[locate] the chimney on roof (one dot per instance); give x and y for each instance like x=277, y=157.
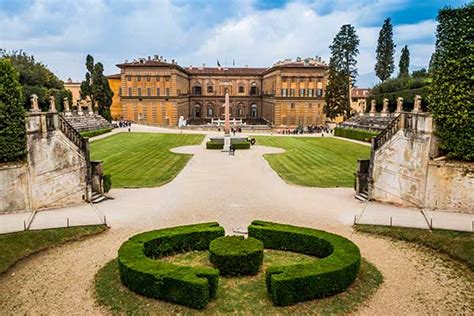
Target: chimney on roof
x=149, y=57
x=190, y=66
x=69, y=80
x=155, y=57
x=203, y=65
x=126, y=61
x=172, y=61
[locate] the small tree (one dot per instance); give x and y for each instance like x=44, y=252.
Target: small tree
x=404, y=63
x=12, y=115
x=451, y=94
x=97, y=88
x=385, y=51
x=342, y=72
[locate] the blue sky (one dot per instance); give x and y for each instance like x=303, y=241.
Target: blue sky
x=60, y=33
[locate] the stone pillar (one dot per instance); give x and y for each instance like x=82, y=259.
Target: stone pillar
x=399, y=105
x=79, y=107
x=417, y=104
x=52, y=104
x=385, y=111
x=227, y=114
x=34, y=103
x=372, y=108
x=66, y=109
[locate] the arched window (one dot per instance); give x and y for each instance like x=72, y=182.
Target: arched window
x=196, y=90
x=253, y=112
x=210, y=88
x=253, y=89
x=210, y=111
x=197, y=110
x=241, y=89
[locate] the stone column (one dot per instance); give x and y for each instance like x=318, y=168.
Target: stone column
x=399, y=105
x=385, y=108
x=52, y=104
x=79, y=108
x=66, y=109
x=372, y=108
x=34, y=103
x=417, y=104
x=227, y=114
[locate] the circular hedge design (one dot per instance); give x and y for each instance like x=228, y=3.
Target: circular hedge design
x=235, y=255
x=141, y=270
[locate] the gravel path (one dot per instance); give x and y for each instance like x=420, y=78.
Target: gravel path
x=233, y=191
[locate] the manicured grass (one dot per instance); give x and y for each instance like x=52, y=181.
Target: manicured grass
x=142, y=159
x=98, y=132
x=15, y=246
x=458, y=245
x=315, y=162
x=242, y=295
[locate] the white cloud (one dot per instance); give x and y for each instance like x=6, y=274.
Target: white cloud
x=61, y=33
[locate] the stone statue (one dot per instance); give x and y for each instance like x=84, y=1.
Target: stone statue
x=52, y=104
x=34, y=103
x=373, y=103
x=79, y=107
x=384, y=108
x=399, y=105
x=362, y=107
x=66, y=106
x=417, y=104
x=89, y=107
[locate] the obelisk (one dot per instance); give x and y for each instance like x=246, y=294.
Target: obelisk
x=226, y=122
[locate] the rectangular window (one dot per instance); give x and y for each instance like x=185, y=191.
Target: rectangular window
x=167, y=78
x=310, y=93
x=129, y=92
x=167, y=92
x=157, y=78
x=292, y=92
x=139, y=91
x=283, y=92
x=301, y=92
x=129, y=78
x=319, y=92
x=283, y=79
x=157, y=91
x=139, y=78
x=148, y=91
x=148, y=78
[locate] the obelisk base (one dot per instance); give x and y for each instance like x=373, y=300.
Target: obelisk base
x=226, y=142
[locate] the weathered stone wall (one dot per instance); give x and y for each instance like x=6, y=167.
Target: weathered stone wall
x=14, y=187
x=450, y=186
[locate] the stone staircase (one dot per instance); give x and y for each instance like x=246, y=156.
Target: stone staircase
x=97, y=197
x=375, y=123
x=87, y=122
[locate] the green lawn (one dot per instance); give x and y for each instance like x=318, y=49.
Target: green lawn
x=458, y=245
x=315, y=162
x=15, y=246
x=245, y=295
x=142, y=159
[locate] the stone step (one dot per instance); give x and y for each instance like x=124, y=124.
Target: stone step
x=98, y=199
x=362, y=196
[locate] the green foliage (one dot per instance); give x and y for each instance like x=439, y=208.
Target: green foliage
x=143, y=272
x=241, y=145
x=290, y=284
x=35, y=78
x=218, y=144
x=457, y=245
x=16, y=246
x=451, y=93
x=342, y=70
x=404, y=63
x=354, y=133
x=107, y=182
x=384, y=66
x=214, y=145
x=97, y=132
x=234, y=255
x=12, y=115
x=96, y=87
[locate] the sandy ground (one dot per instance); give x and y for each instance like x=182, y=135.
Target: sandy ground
x=233, y=190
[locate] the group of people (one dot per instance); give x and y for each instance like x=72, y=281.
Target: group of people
x=309, y=129
x=124, y=123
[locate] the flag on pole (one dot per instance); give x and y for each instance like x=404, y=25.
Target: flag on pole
x=233, y=62
x=218, y=63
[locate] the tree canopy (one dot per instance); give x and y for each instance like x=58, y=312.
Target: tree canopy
x=12, y=115
x=342, y=72
x=36, y=78
x=451, y=94
x=404, y=63
x=96, y=87
x=384, y=66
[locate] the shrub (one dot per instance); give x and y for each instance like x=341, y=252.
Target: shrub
x=354, y=133
x=451, y=92
x=234, y=255
x=107, y=181
x=12, y=115
x=142, y=271
x=300, y=282
x=214, y=145
x=245, y=145
x=98, y=132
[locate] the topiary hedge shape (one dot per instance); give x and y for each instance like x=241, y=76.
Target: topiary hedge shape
x=235, y=255
x=290, y=284
x=142, y=271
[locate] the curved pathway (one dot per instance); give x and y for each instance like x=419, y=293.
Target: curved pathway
x=232, y=190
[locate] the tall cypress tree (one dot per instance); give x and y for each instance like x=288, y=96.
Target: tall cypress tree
x=404, y=63
x=97, y=88
x=384, y=66
x=342, y=72
x=12, y=115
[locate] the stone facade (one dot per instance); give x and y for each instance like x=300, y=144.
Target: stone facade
x=156, y=92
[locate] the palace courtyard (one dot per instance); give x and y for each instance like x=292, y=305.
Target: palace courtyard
x=233, y=190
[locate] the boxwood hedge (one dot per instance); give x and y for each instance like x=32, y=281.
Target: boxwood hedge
x=290, y=284
x=234, y=255
x=142, y=271
x=355, y=133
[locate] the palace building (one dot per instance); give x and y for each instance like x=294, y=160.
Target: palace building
x=154, y=91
